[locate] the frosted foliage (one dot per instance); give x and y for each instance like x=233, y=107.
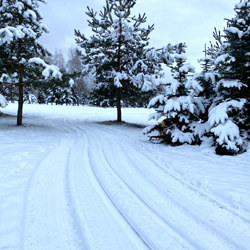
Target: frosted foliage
x=243, y=4
x=180, y=103
x=30, y=22
x=154, y=116
x=174, y=86
x=179, y=136
x=140, y=63
x=235, y=31
x=210, y=76
x=49, y=71
x=71, y=83
x=228, y=135
x=30, y=13
x=8, y=33
x=221, y=59
x=37, y=60
x=180, y=57
x=3, y=102
x=149, y=83
x=155, y=100
x=52, y=70
x=230, y=84
x=219, y=114
x=118, y=76
x=200, y=128
x=193, y=84
x=187, y=68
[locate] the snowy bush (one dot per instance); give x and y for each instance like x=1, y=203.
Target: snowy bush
x=178, y=107
x=227, y=135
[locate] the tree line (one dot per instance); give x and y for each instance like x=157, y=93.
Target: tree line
x=189, y=107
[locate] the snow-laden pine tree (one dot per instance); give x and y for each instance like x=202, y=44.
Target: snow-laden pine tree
x=207, y=79
x=21, y=60
x=117, y=51
x=178, y=107
x=229, y=115
x=83, y=84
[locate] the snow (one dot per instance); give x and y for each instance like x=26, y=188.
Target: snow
x=187, y=67
x=235, y=30
x=228, y=133
x=9, y=33
x=179, y=103
x=50, y=70
x=30, y=13
x=219, y=113
x=221, y=59
x=230, y=84
x=118, y=76
x=3, y=102
x=70, y=179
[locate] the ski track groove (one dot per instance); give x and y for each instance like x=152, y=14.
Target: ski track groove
x=188, y=212
x=206, y=195
x=72, y=206
x=68, y=131
x=144, y=206
x=101, y=193
x=167, y=222
x=114, y=204
x=27, y=191
x=208, y=227
x=84, y=141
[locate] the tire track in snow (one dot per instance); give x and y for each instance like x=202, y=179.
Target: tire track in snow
x=234, y=240
x=49, y=226
x=152, y=229
x=217, y=236
x=82, y=181
x=219, y=203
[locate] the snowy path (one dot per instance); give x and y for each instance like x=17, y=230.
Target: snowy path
x=96, y=188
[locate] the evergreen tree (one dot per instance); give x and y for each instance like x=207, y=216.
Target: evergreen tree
x=177, y=108
x=116, y=51
x=207, y=79
x=82, y=86
x=21, y=61
x=229, y=115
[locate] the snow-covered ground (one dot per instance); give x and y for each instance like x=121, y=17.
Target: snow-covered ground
x=70, y=180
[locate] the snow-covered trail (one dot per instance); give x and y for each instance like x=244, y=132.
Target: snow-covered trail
x=96, y=190
x=66, y=208
x=98, y=187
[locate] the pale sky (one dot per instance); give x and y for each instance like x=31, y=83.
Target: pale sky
x=189, y=21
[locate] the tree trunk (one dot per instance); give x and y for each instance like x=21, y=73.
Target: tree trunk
x=118, y=91
x=119, y=110
x=20, y=88
x=20, y=103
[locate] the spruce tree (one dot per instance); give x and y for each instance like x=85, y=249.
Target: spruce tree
x=75, y=67
x=229, y=116
x=117, y=51
x=177, y=108
x=207, y=79
x=21, y=60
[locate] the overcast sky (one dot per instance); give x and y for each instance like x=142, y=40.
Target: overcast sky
x=190, y=21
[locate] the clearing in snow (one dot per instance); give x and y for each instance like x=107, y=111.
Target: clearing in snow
x=71, y=181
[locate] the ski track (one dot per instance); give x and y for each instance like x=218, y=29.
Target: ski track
x=212, y=235
x=96, y=195
x=168, y=171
